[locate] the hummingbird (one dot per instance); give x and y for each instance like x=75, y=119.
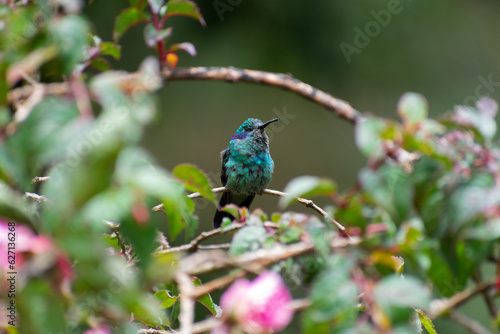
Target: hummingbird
x=247, y=166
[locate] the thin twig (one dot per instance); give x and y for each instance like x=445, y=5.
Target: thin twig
x=487, y=299
x=440, y=306
x=36, y=197
x=116, y=230
x=218, y=283
x=37, y=179
x=300, y=304
x=186, y=316
x=195, y=243
x=308, y=203
x=82, y=97
x=470, y=324
x=217, y=246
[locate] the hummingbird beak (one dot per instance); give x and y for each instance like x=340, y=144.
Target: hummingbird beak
x=267, y=123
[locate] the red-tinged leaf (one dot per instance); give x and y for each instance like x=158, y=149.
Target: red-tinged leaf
x=206, y=300
x=426, y=322
x=126, y=19
x=165, y=299
x=186, y=46
x=186, y=8
x=234, y=210
x=140, y=4
x=194, y=180
x=110, y=49
x=101, y=64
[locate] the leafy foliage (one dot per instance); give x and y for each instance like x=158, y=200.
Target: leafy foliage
x=422, y=217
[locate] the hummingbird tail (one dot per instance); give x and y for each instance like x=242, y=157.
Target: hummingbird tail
x=228, y=198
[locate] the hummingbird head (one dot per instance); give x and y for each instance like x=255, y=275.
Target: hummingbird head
x=253, y=129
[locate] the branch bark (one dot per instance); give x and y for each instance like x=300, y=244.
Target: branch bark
x=339, y=107
x=441, y=306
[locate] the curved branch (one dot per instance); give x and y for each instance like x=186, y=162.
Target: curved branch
x=285, y=81
x=339, y=107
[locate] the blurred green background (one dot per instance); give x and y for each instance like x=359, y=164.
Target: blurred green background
x=446, y=50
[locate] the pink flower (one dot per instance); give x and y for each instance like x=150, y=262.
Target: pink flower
x=260, y=306
x=102, y=329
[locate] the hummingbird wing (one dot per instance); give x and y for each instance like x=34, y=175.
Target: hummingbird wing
x=229, y=197
x=219, y=215
x=224, y=157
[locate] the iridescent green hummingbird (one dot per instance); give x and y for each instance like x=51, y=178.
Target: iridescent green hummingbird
x=247, y=166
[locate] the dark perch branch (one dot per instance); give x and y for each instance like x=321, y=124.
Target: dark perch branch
x=441, y=306
x=229, y=74
x=285, y=81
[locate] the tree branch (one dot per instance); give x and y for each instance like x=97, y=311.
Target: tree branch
x=487, y=299
x=471, y=325
x=201, y=263
x=308, y=203
x=339, y=107
x=195, y=243
x=186, y=316
x=441, y=306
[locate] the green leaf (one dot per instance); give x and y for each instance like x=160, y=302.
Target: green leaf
x=110, y=49
x=412, y=108
x=389, y=187
x=165, y=299
x=334, y=295
x=398, y=296
x=471, y=200
x=305, y=187
x=247, y=239
x=206, y=300
x=194, y=180
x=177, y=207
x=13, y=206
x=42, y=139
x=101, y=64
x=368, y=136
x=70, y=36
x=140, y=4
x=142, y=238
x=186, y=8
x=234, y=210
x=125, y=20
x=44, y=308
x=426, y=322
x=156, y=5
x=153, y=36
